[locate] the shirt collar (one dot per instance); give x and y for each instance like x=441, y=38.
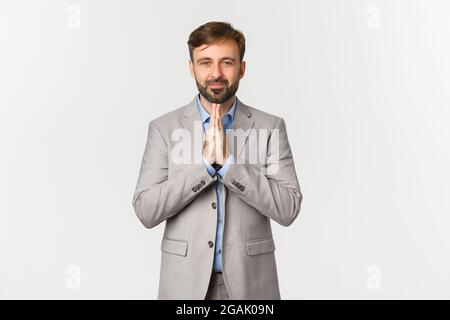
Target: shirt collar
x=204, y=115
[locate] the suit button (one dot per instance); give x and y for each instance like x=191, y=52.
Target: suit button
x=242, y=188
x=199, y=186
x=210, y=244
x=213, y=205
x=202, y=182
x=194, y=189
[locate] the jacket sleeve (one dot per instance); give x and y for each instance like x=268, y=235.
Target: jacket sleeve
x=272, y=189
x=158, y=197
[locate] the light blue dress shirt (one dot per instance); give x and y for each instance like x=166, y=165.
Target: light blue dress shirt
x=227, y=120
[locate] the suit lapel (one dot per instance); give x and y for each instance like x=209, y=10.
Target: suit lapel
x=190, y=115
x=242, y=121
x=192, y=122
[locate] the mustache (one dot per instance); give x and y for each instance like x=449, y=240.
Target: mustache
x=217, y=81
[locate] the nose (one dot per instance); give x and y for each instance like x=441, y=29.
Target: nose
x=216, y=71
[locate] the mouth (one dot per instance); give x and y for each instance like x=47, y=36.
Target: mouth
x=217, y=86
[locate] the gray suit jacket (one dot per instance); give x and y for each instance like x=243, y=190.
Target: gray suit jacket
x=182, y=192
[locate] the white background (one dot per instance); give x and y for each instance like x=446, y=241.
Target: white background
x=363, y=87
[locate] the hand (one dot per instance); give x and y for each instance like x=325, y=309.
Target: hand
x=215, y=147
x=221, y=141
x=209, y=149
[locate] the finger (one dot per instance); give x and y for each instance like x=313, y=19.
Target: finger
x=217, y=119
x=212, y=126
x=213, y=116
x=218, y=137
x=221, y=127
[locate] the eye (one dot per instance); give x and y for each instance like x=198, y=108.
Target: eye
x=204, y=63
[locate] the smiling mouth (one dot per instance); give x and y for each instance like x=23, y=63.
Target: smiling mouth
x=217, y=86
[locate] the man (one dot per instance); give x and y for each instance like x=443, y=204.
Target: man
x=217, y=241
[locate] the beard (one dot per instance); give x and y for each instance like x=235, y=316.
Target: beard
x=219, y=95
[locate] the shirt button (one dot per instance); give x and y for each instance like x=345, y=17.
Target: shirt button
x=220, y=251
x=213, y=205
x=210, y=244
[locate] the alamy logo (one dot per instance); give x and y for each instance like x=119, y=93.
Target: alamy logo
x=252, y=146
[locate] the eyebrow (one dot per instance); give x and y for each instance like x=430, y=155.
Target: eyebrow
x=225, y=58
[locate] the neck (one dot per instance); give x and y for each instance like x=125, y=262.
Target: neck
x=224, y=107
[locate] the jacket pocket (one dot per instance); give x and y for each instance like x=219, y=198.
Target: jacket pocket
x=260, y=246
x=176, y=247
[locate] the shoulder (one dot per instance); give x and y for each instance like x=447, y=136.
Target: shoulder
x=262, y=118
x=172, y=119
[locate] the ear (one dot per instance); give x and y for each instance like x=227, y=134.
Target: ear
x=191, y=68
x=242, y=69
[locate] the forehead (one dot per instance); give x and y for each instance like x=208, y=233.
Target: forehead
x=217, y=50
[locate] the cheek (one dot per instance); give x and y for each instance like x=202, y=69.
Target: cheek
x=232, y=75
x=200, y=78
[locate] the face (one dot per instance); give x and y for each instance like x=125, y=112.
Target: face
x=217, y=70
